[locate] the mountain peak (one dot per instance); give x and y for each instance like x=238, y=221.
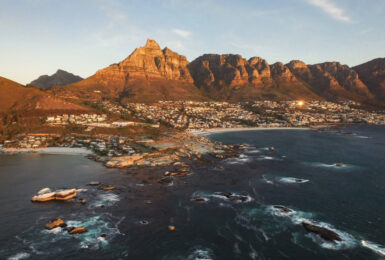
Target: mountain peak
x=59, y=78
x=151, y=44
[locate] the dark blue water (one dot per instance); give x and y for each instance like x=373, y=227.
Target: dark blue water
x=301, y=174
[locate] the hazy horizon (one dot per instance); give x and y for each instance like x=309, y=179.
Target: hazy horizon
x=41, y=36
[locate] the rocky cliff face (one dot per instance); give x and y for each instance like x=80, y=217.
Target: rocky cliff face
x=151, y=74
x=60, y=78
x=331, y=80
x=149, y=62
x=372, y=73
x=148, y=74
x=235, y=78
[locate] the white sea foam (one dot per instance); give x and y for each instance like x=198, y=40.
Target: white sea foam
x=105, y=199
x=201, y=254
x=267, y=180
x=292, y=180
x=18, y=256
x=233, y=197
x=299, y=217
x=378, y=249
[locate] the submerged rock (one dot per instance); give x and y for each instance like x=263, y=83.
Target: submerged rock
x=282, y=209
x=108, y=187
x=340, y=164
x=55, y=223
x=166, y=179
x=233, y=197
x=171, y=228
x=324, y=233
x=199, y=199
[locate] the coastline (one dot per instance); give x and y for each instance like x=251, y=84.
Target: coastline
x=50, y=150
x=241, y=129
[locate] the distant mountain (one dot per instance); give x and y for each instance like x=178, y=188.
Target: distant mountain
x=148, y=74
x=60, y=78
x=151, y=74
x=16, y=97
x=372, y=73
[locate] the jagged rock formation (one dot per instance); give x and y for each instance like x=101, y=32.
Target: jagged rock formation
x=372, y=73
x=234, y=78
x=16, y=97
x=148, y=74
x=60, y=78
x=151, y=74
x=331, y=80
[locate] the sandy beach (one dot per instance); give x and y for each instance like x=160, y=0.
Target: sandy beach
x=225, y=130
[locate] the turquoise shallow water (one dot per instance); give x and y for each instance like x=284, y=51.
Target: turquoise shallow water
x=300, y=174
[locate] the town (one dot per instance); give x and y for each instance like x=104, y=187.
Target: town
x=191, y=116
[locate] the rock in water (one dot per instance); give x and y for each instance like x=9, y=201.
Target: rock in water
x=94, y=183
x=77, y=230
x=44, y=197
x=340, y=164
x=324, y=233
x=282, y=209
x=55, y=223
x=171, y=228
x=65, y=194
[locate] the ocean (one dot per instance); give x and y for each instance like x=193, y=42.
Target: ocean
x=333, y=179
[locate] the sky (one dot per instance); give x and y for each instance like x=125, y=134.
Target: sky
x=37, y=37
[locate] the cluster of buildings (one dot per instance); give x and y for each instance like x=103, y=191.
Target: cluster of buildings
x=82, y=119
x=29, y=142
x=203, y=115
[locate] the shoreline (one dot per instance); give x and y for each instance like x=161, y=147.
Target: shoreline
x=241, y=129
x=49, y=150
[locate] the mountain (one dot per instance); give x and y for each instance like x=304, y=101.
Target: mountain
x=148, y=74
x=372, y=73
x=231, y=77
x=331, y=80
x=60, y=78
x=152, y=74
x=16, y=97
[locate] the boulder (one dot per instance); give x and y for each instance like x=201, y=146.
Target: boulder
x=77, y=230
x=108, y=187
x=171, y=228
x=55, y=223
x=324, y=233
x=44, y=197
x=65, y=194
x=94, y=183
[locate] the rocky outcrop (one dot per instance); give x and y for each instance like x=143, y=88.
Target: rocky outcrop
x=60, y=195
x=59, y=78
x=231, y=77
x=331, y=80
x=152, y=74
x=324, y=233
x=372, y=73
x=148, y=74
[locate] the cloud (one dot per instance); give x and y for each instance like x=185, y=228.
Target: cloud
x=331, y=9
x=181, y=33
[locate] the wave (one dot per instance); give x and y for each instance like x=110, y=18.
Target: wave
x=201, y=254
x=291, y=180
x=18, y=256
x=339, y=166
x=267, y=179
x=378, y=249
x=105, y=199
x=299, y=217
